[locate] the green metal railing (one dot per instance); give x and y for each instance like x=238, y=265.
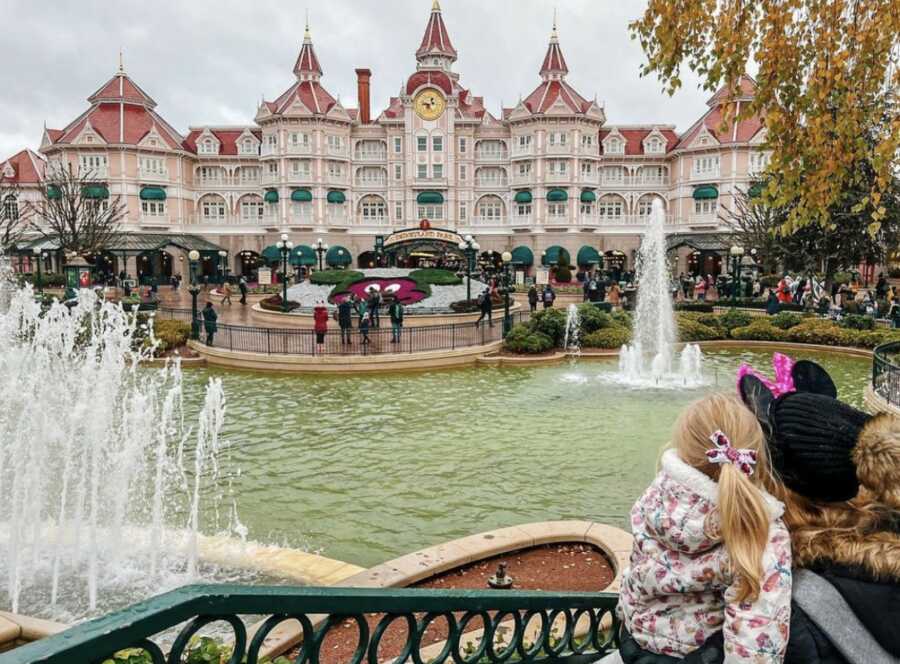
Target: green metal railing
x=572, y=628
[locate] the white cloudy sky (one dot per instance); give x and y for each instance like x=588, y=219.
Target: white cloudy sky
x=210, y=61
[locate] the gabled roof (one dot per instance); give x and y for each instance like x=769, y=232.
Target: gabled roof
x=121, y=88
x=228, y=138
x=740, y=131
x=746, y=89
x=436, y=41
x=28, y=167
x=307, y=62
x=634, y=137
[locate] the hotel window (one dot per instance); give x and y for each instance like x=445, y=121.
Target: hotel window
x=422, y=143
x=398, y=171
x=373, y=209
x=251, y=209
x=211, y=174
x=11, y=207
x=422, y=171
x=273, y=169
x=398, y=144
x=398, y=211
x=213, y=210
x=611, y=207
x=615, y=146
x=613, y=174
x=437, y=143
x=335, y=170
x=335, y=143
x=587, y=170
x=558, y=167
x=249, y=175
x=462, y=173
x=207, y=146
x=463, y=211
x=587, y=209
x=645, y=206
x=758, y=161
x=653, y=174
x=587, y=140
x=556, y=209
x=431, y=212
x=490, y=209
x=523, y=209
x=248, y=146
x=92, y=163
x=301, y=209
x=706, y=165
x=524, y=168
x=300, y=168
x=437, y=171
x=524, y=142
x=152, y=165
x=705, y=206
x=299, y=140
x=557, y=138
x=654, y=145
x=462, y=145
x=153, y=208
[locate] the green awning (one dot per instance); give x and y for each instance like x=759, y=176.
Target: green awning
x=522, y=255
x=588, y=196
x=335, y=196
x=271, y=254
x=430, y=198
x=338, y=256
x=153, y=194
x=523, y=197
x=755, y=190
x=553, y=255
x=53, y=192
x=557, y=196
x=706, y=191
x=303, y=255
x=95, y=191
x=271, y=196
x=301, y=195
x=588, y=256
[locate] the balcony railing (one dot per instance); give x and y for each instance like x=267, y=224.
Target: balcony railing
x=337, y=151
x=299, y=148
x=373, y=220
x=523, y=151
x=371, y=155
x=558, y=177
x=221, y=181
x=491, y=183
x=300, y=176
x=557, y=148
x=250, y=219
x=271, y=178
x=706, y=175
x=371, y=183
x=335, y=179
x=267, y=150
x=527, y=178
x=246, y=181
x=522, y=219
x=488, y=221
x=158, y=175
x=589, y=178
x=491, y=155
x=97, y=172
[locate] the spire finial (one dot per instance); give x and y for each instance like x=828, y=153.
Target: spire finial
x=307, y=37
x=121, y=61
x=435, y=6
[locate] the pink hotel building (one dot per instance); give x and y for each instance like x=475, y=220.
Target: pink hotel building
x=549, y=172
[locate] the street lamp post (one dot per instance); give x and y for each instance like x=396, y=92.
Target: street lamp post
x=470, y=249
x=737, y=254
x=194, y=290
x=222, y=255
x=507, y=286
x=285, y=246
x=37, y=257
x=321, y=250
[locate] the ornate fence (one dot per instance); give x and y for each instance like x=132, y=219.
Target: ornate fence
x=475, y=626
x=294, y=341
x=886, y=372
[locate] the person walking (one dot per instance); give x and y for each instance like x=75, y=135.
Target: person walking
x=548, y=296
x=374, y=304
x=532, y=298
x=364, y=328
x=395, y=311
x=881, y=287
x=484, y=302
x=320, y=324
x=209, y=322
x=226, y=293
x=773, y=304
x=345, y=319
x=614, y=295
x=242, y=286
x=700, y=289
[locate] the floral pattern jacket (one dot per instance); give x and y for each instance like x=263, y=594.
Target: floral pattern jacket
x=679, y=589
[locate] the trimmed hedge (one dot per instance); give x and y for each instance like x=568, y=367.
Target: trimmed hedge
x=436, y=277
x=334, y=277
x=785, y=320
x=694, y=306
x=171, y=334
x=735, y=318
x=551, y=322
x=522, y=339
x=858, y=322
x=614, y=336
x=759, y=330
x=690, y=330
x=592, y=319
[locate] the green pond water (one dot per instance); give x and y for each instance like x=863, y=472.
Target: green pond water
x=366, y=468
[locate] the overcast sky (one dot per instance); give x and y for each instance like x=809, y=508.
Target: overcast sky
x=210, y=61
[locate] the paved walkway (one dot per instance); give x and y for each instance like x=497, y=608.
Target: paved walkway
x=233, y=314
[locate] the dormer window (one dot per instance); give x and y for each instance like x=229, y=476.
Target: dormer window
x=654, y=146
x=615, y=146
x=247, y=146
x=207, y=146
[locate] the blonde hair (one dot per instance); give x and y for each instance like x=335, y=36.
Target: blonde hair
x=743, y=513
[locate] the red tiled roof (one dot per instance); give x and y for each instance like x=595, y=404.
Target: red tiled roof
x=436, y=40
x=310, y=93
x=394, y=109
x=28, y=167
x=436, y=78
x=105, y=118
x=228, y=139
x=634, y=139
x=554, y=60
x=307, y=62
x=54, y=134
x=743, y=131
x=746, y=88
x=546, y=94
x=121, y=88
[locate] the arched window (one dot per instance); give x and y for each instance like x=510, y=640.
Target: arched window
x=252, y=209
x=212, y=208
x=645, y=204
x=611, y=207
x=654, y=145
x=490, y=210
x=372, y=210
x=207, y=146
x=10, y=208
x=247, y=146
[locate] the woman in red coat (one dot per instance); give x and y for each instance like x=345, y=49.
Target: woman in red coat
x=320, y=316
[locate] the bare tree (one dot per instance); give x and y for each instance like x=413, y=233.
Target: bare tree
x=12, y=217
x=755, y=225
x=76, y=213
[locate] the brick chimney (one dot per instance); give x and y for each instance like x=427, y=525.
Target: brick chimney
x=362, y=91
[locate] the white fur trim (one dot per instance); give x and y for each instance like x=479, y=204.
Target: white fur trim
x=704, y=486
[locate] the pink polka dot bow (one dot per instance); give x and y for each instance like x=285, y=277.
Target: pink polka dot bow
x=724, y=452
x=784, y=380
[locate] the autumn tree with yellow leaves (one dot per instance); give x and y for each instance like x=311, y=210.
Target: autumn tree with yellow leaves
x=828, y=83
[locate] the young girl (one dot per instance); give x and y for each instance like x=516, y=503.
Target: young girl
x=711, y=552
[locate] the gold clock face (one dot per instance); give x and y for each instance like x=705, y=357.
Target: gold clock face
x=430, y=104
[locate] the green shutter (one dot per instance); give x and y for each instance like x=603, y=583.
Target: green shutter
x=338, y=256
x=588, y=256
x=53, y=192
x=557, y=196
x=430, y=198
x=335, y=196
x=522, y=255
x=706, y=191
x=523, y=197
x=95, y=191
x=271, y=196
x=588, y=196
x=301, y=195
x=153, y=194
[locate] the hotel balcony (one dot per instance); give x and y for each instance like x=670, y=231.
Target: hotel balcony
x=336, y=219
x=382, y=220
x=247, y=181
x=371, y=155
x=589, y=178
x=300, y=177
x=267, y=150
x=337, y=180
x=589, y=151
x=341, y=152
x=704, y=220
x=564, y=148
x=558, y=220
x=299, y=148
x=491, y=183
x=528, y=178
x=211, y=183
x=489, y=221
x=271, y=178
x=589, y=220
x=526, y=151
x=271, y=219
x=492, y=155
x=522, y=220
x=430, y=182
x=146, y=175
x=613, y=182
x=370, y=183
x=97, y=172
x=213, y=220
x=558, y=177
x=706, y=175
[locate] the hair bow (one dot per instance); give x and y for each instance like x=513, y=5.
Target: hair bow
x=724, y=452
x=784, y=379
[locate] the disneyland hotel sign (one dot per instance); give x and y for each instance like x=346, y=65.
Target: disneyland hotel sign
x=418, y=234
